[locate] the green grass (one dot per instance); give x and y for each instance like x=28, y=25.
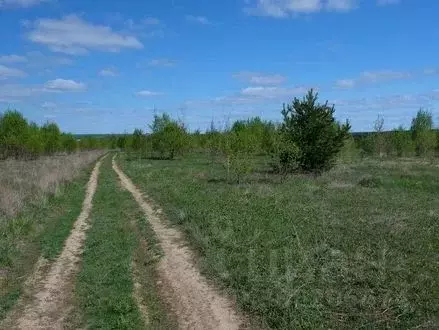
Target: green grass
x=354, y=248
x=40, y=230
x=105, y=284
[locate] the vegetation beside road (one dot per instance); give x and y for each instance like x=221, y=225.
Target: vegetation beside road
x=354, y=247
x=38, y=231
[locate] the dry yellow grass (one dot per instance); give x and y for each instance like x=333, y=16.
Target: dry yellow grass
x=31, y=181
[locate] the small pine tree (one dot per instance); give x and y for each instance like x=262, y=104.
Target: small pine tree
x=313, y=129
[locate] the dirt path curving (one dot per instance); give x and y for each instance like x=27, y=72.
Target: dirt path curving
x=51, y=300
x=196, y=304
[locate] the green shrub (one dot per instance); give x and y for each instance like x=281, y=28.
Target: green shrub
x=35, y=143
x=284, y=155
x=350, y=152
x=401, y=142
x=312, y=128
x=69, y=143
x=168, y=137
x=423, y=135
x=237, y=147
x=51, y=137
x=14, y=134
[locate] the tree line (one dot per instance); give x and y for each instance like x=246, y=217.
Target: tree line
x=21, y=139
x=308, y=139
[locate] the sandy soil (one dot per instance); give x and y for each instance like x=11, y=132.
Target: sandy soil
x=52, y=296
x=196, y=304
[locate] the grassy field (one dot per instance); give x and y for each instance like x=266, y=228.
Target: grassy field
x=39, y=230
x=25, y=182
x=353, y=248
x=119, y=250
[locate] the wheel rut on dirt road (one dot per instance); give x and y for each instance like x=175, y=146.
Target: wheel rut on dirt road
x=196, y=304
x=52, y=294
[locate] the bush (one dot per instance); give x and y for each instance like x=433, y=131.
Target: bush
x=284, y=155
x=401, y=142
x=312, y=128
x=14, y=134
x=169, y=137
x=423, y=135
x=51, y=137
x=349, y=153
x=69, y=143
x=237, y=147
x=35, y=143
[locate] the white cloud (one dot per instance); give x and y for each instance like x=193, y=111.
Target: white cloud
x=20, y=3
x=6, y=72
x=256, y=78
x=198, y=19
x=72, y=35
x=162, y=62
x=109, y=72
x=286, y=8
x=148, y=93
x=345, y=83
x=12, y=59
x=369, y=77
x=271, y=92
x=64, y=85
x=341, y=5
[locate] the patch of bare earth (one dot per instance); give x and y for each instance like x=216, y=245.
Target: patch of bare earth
x=196, y=304
x=52, y=298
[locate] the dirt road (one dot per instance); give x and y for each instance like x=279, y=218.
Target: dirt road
x=52, y=294
x=195, y=303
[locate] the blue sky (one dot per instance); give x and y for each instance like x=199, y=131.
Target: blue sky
x=107, y=66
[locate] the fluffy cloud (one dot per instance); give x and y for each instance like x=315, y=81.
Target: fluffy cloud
x=271, y=92
x=285, y=8
x=72, y=35
x=20, y=3
x=198, y=19
x=64, y=85
x=6, y=72
x=109, y=72
x=255, y=78
x=148, y=93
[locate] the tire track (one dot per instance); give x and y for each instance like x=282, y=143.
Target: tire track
x=196, y=304
x=52, y=298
